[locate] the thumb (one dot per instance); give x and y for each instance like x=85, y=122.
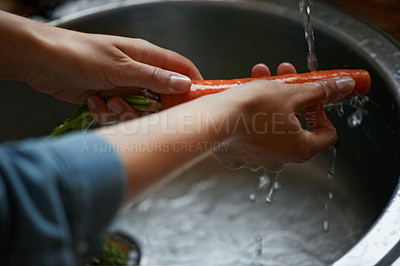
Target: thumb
x=154, y=78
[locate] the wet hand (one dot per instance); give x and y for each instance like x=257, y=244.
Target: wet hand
x=266, y=132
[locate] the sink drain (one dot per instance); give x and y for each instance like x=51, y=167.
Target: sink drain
x=126, y=244
x=118, y=248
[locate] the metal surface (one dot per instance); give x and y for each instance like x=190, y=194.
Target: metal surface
x=205, y=215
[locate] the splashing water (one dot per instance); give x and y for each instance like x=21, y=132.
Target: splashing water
x=263, y=181
x=355, y=119
x=275, y=186
x=337, y=106
x=268, y=198
x=330, y=195
x=305, y=10
x=290, y=229
x=258, y=245
x=357, y=102
x=331, y=173
x=252, y=197
x=325, y=226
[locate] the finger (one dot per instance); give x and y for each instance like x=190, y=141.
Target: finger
x=321, y=92
x=316, y=117
x=121, y=109
x=260, y=71
x=154, y=68
x=148, y=53
x=99, y=110
x=321, y=133
x=136, y=74
x=286, y=68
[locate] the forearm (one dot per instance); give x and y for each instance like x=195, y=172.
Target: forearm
x=17, y=45
x=26, y=47
x=154, y=146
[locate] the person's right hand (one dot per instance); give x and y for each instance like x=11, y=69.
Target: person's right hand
x=72, y=66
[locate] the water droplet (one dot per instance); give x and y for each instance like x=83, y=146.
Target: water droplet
x=325, y=226
x=331, y=172
x=252, y=197
x=333, y=150
x=277, y=186
x=263, y=181
x=358, y=101
x=258, y=245
x=268, y=198
x=340, y=110
x=355, y=119
x=330, y=195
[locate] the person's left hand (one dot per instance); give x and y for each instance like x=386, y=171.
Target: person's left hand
x=262, y=71
x=72, y=66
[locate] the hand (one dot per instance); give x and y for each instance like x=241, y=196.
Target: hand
x=157, y=71
x=109, y=65
x=116, y=66
x=258, y=124
x=71, y=65
x=269, y=133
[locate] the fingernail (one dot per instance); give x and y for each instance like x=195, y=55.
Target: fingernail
x=92, y=103
x=115, y=107
x=180, y=83
x=345, y=85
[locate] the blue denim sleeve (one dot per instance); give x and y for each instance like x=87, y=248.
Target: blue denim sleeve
x=57, y=198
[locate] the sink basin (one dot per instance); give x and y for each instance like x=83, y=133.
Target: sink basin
x=211, y=215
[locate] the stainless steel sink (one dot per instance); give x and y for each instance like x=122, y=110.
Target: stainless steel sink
x=210, y=215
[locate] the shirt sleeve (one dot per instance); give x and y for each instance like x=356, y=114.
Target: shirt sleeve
x=57, y=198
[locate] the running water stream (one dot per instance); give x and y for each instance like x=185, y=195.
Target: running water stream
x=355, y=119
x=264, y=185
x=357, y=102
x=331, y=173
x=312, y=64
x=305, y=10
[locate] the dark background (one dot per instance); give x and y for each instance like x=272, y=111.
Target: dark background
x=383, y=13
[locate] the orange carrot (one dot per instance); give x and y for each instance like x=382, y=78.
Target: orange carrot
x=205, y=87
